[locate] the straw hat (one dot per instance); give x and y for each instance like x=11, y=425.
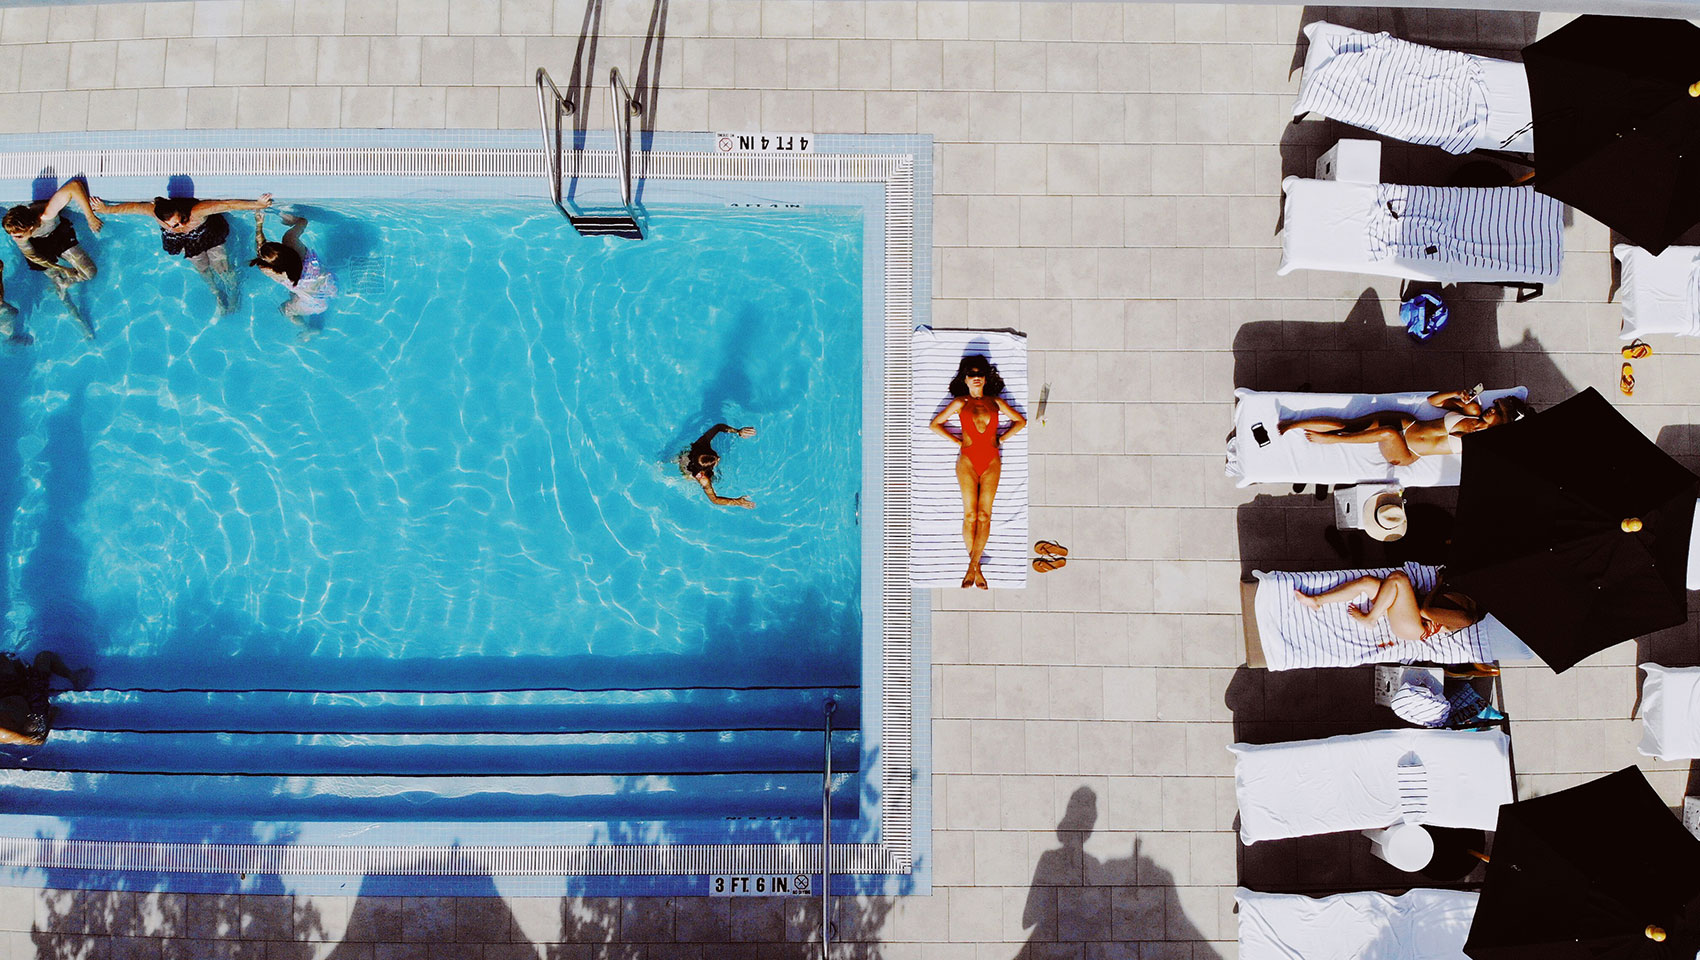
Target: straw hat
x=1384, y=517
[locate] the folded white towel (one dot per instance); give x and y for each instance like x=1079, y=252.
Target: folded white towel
x=939, y=557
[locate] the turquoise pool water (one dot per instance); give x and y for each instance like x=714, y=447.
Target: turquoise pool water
x=445, y=538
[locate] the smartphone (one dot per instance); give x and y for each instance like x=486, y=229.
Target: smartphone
x=1260, y=434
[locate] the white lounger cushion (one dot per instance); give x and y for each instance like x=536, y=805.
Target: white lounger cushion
x=1423, y=924
x=1295, y=637
x=1351, y=782
x=1293, y=459
x=1659, y=293
x=1670, y=712
x=1456, y=101
x=938, y=558
x=1442, y=234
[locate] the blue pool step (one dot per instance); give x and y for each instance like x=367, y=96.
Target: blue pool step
x=490, y=755
x=545, y=711
x=444, y=755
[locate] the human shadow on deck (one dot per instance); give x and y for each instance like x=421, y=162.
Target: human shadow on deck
x=1077, y=902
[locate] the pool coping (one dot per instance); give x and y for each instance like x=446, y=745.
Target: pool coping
x=892, y=163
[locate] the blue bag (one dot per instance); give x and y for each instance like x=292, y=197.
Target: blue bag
x=1423, y=315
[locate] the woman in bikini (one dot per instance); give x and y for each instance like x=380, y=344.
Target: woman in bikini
x=1403, y=439
x=1411, y=616
x=197, y=231
x=977, y=404
x=297, y=270
x=49, y=244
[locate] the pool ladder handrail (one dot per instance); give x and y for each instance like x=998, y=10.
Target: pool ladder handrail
x=624, y=106
x=552, y=150
x=826, y=841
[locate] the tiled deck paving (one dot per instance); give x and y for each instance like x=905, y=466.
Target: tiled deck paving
x=1108, y=180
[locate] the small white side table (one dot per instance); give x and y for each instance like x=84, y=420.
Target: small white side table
x=1352, y=161
x=1405, y=845
x=1349, y=502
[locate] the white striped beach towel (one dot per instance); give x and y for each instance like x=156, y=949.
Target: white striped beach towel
x=1394, y=87
x=1413, y=789
x=1294, y=636
x=1517, y=231
x=938, y=557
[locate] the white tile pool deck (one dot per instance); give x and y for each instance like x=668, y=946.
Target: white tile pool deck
x=1108, y=181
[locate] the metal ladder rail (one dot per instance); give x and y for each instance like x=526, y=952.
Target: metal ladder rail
x=826, y=841
x=552, y=148
x=624, y=106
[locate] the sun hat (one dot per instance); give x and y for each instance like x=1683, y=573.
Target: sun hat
x=1384, y=517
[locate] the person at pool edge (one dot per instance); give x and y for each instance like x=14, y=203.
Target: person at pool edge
x=976, y=401
x=698, y=463
x=49, y=244
x=196, y=230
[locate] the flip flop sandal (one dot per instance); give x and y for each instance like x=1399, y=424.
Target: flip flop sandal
x=1045, y=565
x=1626, y=381
x=1637, y=351
x=1050, y=548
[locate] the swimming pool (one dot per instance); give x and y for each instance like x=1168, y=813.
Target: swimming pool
x=436, y=564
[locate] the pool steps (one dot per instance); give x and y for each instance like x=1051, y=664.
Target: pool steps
x=383, y=755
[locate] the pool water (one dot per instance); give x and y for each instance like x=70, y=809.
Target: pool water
x=456, y=508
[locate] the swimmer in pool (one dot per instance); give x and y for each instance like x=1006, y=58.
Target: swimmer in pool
x=699, y=461
x=297, y=270
x=195, y=230
x=49, y=244
x=25, y=689
x=977, y=405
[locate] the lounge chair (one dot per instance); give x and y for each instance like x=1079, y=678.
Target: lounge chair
x=1290, y=458
x=1282, y=634
x=1658, y=292
x=1670, y=712
x=1407, y=91
x=1422, y=924
x=1504, y=235
x=938, y=557
x=1366, y=781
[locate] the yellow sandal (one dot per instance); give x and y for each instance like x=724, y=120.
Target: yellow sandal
x=1626, y=380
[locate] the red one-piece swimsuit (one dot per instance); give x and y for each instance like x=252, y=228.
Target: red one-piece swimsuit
x=980, y=446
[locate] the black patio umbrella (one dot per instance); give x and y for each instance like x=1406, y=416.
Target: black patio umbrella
x=1573, y=529
x=1599, y=870
x=1617, y=134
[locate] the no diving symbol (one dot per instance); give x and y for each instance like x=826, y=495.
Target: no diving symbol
x=723, y=144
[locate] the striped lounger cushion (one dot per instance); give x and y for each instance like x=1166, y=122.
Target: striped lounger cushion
x=1294, y=636
x=1393, y=87
x=1513, y=232
x=939, y=558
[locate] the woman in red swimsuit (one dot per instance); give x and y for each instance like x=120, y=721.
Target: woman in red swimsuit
x=977, y=404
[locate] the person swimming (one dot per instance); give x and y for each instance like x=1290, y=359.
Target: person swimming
x=49, y=244
x=26, y=714
x=297, y=270
x=699, y=461
x=977, y=403
x=197, y=231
